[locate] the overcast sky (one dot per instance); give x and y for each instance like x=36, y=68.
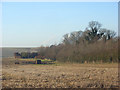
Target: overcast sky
x=32, y=24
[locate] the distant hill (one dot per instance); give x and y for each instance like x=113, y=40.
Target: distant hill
x=9, y=52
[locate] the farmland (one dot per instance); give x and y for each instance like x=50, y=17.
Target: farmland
x=59, y=75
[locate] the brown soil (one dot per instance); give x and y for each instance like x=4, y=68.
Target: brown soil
x=59, y=75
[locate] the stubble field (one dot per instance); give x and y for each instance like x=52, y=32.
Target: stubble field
x=59, y=75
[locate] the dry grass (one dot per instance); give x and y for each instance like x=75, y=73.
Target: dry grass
x=60, y=76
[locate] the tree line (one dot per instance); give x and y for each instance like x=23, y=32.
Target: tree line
x=25, y=55
x=95, y=44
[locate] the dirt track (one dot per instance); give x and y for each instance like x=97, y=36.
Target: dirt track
x=60, y=76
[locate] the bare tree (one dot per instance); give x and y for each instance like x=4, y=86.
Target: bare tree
x=94, y=26
x=108, y=34
x=66, y=39
x=74, y=37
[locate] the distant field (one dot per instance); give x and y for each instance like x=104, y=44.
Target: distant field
x=9, y=52
x=59, y=75
x=33, y=59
